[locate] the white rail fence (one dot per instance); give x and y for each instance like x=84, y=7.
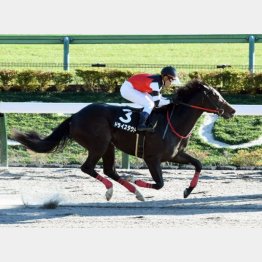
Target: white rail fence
x=70, y=108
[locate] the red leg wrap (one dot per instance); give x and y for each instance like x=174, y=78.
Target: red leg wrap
x=142, y=183
x=127, y=185
x=195, y=179
x=105, y=181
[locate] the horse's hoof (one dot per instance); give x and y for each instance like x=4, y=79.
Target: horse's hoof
x=139, y=196
x=187, y=191
x=109, y=193
x=186, y=194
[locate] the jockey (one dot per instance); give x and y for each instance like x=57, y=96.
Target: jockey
x=144, y=89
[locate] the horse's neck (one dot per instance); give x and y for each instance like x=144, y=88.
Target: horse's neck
x=184, y=119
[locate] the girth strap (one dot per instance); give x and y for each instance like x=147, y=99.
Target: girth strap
x=140, y=143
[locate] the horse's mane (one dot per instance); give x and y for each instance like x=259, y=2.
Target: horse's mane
x=184, y=93
x=190, y=89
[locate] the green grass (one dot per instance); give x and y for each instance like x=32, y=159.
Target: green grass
x=178, y=54
x=43, y=124
x=238, y=130
x=75, y=154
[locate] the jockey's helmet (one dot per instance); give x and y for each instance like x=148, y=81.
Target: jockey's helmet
x=168, y=71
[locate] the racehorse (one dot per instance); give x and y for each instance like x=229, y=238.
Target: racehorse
x=100, y=128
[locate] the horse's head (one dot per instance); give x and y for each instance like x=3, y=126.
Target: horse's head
x=203, y=97
x=216, y=101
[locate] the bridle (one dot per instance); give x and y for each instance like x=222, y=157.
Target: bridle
x=217, y=110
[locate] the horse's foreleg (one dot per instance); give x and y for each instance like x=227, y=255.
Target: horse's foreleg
x=184, y=158
x=109, y=170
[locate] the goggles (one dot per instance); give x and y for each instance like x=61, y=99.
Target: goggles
x=173, y=79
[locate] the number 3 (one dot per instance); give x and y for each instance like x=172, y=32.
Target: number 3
x=128, y=116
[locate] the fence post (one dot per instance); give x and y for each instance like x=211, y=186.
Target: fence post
x=66, y=53
x=3, y=142
x=251, y=54
x=125, y=161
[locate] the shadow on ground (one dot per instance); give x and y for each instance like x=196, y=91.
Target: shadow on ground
x=181, y=207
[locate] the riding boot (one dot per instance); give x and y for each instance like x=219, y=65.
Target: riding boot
x=142, y=123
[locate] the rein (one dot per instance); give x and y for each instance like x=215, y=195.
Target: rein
x=202, y=108
x=173, y=129
x=191, y=106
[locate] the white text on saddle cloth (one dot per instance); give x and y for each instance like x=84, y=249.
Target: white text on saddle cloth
x=123, y=121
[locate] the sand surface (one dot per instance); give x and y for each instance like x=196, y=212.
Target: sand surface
x=222, y=198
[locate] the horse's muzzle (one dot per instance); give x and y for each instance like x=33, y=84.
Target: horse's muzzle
x=228, y=112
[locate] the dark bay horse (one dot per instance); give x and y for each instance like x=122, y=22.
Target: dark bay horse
x=96, y=129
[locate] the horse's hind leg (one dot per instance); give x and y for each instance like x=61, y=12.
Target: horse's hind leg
x=109, y=170
x=89, y=168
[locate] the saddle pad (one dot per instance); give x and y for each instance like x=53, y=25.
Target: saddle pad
x=126, y=119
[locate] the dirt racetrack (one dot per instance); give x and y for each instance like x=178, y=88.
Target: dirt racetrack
x=223, y=198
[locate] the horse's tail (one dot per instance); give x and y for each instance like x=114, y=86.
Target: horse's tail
x=56, y=140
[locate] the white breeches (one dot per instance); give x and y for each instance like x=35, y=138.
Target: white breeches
x=144, y=99
x=129, y=93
